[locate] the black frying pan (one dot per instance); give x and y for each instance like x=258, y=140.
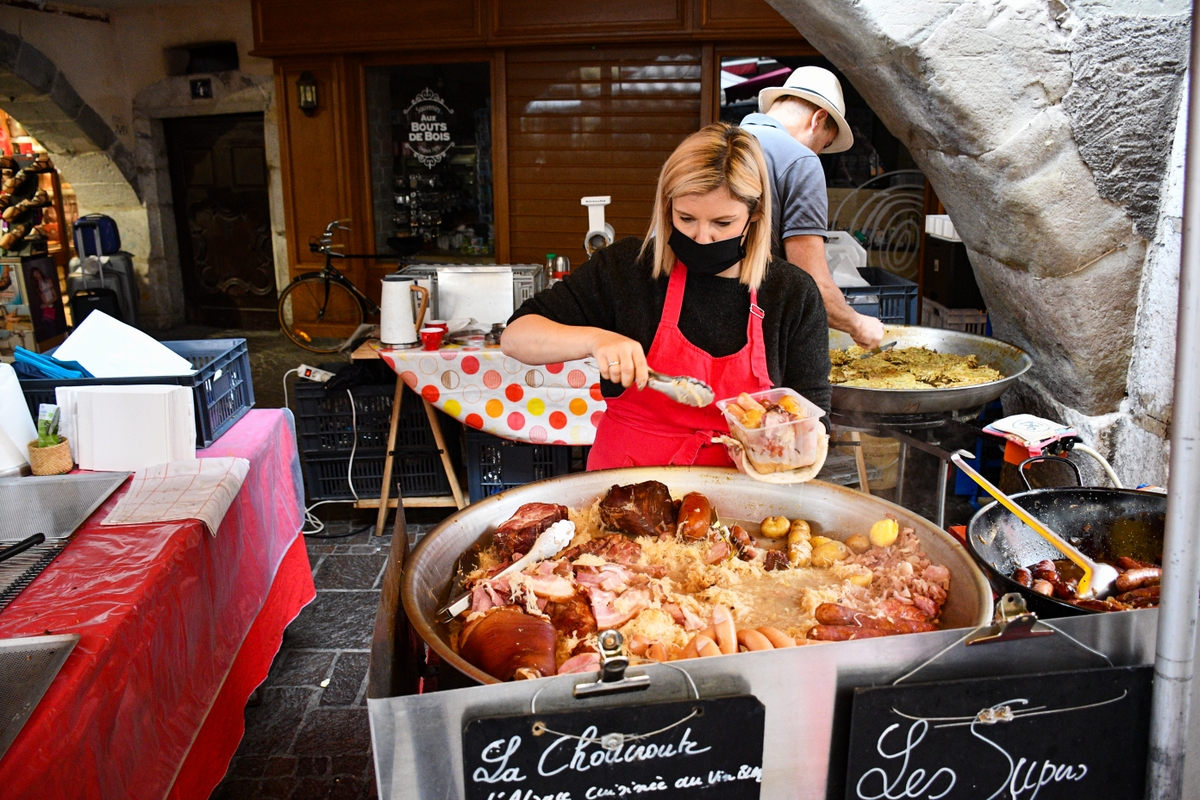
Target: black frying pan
x=1103, y=523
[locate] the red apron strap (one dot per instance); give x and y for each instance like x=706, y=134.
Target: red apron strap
x=674, y=301
x=758, y=349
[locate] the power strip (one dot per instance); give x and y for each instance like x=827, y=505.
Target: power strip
x=313, y=374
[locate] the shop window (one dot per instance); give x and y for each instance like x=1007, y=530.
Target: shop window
x=875, y=190
x=431, y=160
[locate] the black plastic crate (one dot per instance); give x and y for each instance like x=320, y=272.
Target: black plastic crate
x=495, y=464
x=417, y=472
x=889, y=297
x=324, y=422
x=223, y=390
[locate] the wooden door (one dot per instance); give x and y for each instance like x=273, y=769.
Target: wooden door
x=222, y=218
x=592, y=121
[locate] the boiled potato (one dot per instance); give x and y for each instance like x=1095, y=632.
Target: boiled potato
x=829, y=553
x=885, y=532
x=775, y=527
x=817, y=541
x=858, y=543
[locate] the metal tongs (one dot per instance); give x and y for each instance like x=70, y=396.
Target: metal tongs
x=550, y=543
x=883, y=348
x=682, y=389
x=1097, y=580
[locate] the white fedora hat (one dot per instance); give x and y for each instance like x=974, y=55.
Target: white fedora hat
x=820, y=86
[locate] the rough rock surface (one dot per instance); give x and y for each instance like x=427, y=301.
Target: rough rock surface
x=1046, y=128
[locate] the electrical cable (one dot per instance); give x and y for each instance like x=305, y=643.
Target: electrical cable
x=311, y=519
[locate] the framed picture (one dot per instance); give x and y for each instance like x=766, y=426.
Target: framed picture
x=11, y=280
x=44, y=299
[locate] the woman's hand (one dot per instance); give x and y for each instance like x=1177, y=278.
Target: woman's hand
x=620, y=359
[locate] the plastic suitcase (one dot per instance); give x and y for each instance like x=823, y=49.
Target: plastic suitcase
x=118, y=276
x=96, y=235
x=85, y=301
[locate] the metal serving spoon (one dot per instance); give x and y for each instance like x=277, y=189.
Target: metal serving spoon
x=1097, y=580
x=549, y=543
x=682, y=389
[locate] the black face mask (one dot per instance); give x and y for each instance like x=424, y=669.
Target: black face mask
x=711, y=258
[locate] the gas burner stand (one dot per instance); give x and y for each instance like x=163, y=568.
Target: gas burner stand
x=939, y=434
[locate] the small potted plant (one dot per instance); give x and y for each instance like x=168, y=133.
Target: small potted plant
x=49, y=454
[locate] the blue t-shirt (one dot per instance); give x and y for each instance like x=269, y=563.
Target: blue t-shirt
x=799, y=202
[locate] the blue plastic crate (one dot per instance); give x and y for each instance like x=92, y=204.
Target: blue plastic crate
x=889, y=297
x=222, y=387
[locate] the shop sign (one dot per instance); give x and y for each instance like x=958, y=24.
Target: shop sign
x=428, y=119
x=1030, y=737
x=698, y=748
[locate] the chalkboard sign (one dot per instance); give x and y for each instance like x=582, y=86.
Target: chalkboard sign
x=697, y=748
x=1054, y=735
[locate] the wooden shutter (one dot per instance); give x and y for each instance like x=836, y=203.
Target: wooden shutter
x=592, y=122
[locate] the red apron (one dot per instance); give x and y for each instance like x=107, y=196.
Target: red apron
x=647, y=428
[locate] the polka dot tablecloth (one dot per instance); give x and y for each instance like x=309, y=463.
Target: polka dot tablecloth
x=487, y=390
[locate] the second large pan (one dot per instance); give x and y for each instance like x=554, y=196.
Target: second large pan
x=1116, y=522
x=1010, y=360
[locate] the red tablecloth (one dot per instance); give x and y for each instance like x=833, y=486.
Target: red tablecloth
x=177, y=628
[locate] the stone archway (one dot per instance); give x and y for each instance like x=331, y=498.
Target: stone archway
x=1049, y=129
x=86, y=151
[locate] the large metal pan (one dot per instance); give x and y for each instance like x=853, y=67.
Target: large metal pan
x=831, y=510
x=1011, y=361
x=1106, y=522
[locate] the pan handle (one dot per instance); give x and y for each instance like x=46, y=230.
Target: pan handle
x=1067, y=461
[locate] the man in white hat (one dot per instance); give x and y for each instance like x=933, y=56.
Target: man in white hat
x=798, y=121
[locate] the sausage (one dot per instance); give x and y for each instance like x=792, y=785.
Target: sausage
x=1143, y=594
x=776, y=637
x=656, y=652
x=752, y=640
x=1065, y=589
x=722, y=622
x=638, y=645
x=845, y=633
x=1138, y=577
x=1043, y=587
x=1023, y=576
x=1043, y=574
x=697, y=645
x=833, y=614
x=1045, y=565
x=1125, y=562
x=695, y=516
x=744, y=544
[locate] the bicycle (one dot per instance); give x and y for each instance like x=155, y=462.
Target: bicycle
x=327, y=301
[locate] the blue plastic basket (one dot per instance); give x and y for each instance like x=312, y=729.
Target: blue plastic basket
x=889, y=297
x=222, y=388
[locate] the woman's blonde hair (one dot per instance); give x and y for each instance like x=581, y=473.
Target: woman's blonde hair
x=718, y=155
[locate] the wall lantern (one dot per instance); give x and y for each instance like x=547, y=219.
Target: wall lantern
x=306, y=93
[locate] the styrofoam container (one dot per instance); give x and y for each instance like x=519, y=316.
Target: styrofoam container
x=784, y=445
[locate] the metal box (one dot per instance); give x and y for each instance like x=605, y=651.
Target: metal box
x=527, y=280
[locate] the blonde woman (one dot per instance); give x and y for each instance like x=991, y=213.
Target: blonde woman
x=700, y=297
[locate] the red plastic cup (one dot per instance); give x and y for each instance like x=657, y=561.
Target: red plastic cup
x=431, y=338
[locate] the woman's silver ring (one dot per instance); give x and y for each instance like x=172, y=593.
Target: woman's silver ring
x=613, y=363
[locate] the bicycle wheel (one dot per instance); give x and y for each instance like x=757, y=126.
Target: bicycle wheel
x=318, y=313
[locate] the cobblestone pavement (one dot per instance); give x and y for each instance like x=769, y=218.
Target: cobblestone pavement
x=307, y=735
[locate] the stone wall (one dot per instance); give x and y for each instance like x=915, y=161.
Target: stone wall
x=1048, y=128
x=94, y=91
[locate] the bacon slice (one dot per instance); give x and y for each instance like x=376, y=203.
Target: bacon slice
x=612, y=610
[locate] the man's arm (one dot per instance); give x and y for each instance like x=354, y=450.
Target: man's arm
x=808, y=253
